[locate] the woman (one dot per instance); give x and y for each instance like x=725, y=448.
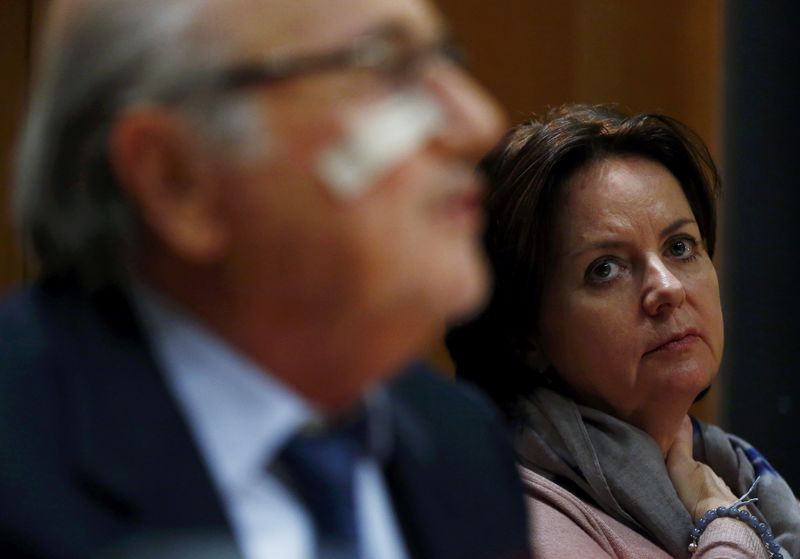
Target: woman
x=604, y=327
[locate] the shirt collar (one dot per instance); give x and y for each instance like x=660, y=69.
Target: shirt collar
x=241, y=416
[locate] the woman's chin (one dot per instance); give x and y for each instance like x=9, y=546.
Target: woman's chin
x=684, y=381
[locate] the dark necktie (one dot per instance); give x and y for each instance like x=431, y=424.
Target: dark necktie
x=320, y=469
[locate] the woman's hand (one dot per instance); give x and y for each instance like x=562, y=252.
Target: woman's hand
x=697, y=485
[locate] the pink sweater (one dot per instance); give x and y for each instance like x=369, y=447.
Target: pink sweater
x=564, y=526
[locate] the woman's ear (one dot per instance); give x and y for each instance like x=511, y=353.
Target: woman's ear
x=532, y=355
x=159, y=163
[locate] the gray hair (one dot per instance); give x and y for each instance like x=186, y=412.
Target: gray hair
x=110, y=55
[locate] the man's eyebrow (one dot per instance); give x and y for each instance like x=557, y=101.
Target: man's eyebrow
x=403, y=31
x=384, y=28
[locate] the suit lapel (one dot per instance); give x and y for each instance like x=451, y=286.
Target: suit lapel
x=416, y=486
x=454, y=487
x=116, y=401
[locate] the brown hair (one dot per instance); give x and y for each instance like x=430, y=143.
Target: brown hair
x=525, y=173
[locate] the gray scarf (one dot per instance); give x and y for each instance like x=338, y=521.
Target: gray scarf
x=622, y=470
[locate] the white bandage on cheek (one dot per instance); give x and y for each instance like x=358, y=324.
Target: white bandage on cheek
x=379, y=138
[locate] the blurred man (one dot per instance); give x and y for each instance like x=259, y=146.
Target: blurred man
x=249, y=215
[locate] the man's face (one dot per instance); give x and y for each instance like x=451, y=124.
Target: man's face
x=405, y=250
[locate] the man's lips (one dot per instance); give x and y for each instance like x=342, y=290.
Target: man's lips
x=465, y=200
x=469, y=201
x=676, y=342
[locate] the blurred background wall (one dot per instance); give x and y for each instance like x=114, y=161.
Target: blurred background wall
x=726, y=68
x=15, y=62
x=762, y=267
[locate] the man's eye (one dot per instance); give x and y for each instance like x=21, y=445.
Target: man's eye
x=603, y=271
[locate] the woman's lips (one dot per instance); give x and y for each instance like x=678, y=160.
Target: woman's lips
x=677, y=343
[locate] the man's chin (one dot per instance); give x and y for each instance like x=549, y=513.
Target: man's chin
x=469, y=291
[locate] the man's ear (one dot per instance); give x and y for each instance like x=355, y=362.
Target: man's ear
x=160, y=165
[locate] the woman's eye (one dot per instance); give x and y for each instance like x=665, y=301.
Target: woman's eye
x=682, y=248
x=603, y=271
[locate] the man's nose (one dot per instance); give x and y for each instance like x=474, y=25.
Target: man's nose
x=474, y=121
x=663, y=290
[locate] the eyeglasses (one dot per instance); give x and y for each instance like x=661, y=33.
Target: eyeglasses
x=389, y=52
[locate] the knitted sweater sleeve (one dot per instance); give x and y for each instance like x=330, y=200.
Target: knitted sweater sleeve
x=562, y=525
x=729, y=538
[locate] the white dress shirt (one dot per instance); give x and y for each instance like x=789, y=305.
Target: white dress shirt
x=241, y=417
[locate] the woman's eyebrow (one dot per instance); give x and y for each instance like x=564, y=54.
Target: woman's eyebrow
x=616, y=244
x=675, y=225
x=596, y=245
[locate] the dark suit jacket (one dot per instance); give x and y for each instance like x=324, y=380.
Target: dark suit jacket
x=97, y=461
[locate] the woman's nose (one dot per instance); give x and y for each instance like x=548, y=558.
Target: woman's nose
x=663, y=291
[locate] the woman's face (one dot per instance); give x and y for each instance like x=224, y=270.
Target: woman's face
x=631, y=316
